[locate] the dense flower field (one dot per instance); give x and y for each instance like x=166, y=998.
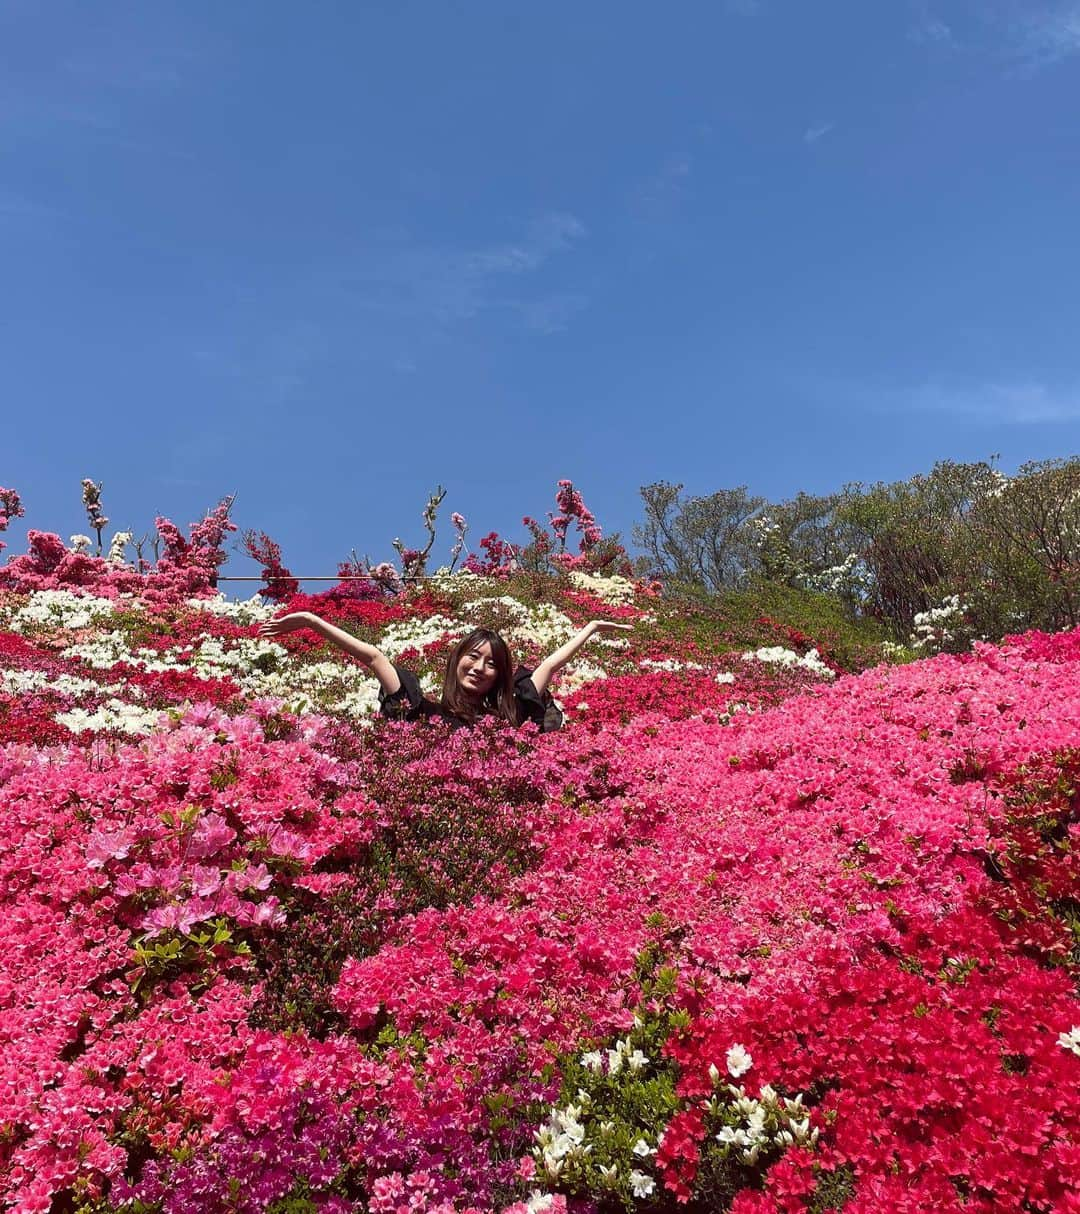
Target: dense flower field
x=754, y=931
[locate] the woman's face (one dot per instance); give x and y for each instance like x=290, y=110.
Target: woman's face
x=476, y=671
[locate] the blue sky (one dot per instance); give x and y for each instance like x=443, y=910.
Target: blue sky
x=327, y=255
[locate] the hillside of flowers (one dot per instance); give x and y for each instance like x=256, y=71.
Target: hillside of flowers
x=767, y=926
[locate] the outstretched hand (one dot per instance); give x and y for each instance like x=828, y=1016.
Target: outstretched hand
x=285, y=624
x=610, y=626
x=557, y=660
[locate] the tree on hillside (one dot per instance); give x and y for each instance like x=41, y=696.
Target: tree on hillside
x=804, y=540
x=914, y=536
x=698, y=541
x=1027, y=529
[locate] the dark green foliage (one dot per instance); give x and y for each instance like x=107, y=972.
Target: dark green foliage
x=771, y=613
x=913, y=536
x=300, y=966
x=833, y=1191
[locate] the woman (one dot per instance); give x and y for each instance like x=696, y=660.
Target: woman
x=480, y=678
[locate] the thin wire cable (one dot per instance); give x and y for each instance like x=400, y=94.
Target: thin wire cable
x=295, y=577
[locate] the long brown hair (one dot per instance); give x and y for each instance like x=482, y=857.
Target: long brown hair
x=500, y=699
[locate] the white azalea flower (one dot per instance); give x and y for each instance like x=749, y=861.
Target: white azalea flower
x=801, y=1129
x=1071, y=1040
x=932, y=627
x=641, y=1184
x=636, y=1060
x=739, y=1061
x=755, y=1126
x=552, y=1164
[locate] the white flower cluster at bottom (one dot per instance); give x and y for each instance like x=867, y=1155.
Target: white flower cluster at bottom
x=565, y=1145
x=760, y=1124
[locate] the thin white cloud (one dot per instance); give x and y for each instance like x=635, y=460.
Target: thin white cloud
x=1050, y=34
x=1024, y=36
x=660, y=194
x=550, y=234
x=818, y=131
x=399, y=278
x=932, y=30
x=1020, y=36
x=1018, y=404
x=551, y=313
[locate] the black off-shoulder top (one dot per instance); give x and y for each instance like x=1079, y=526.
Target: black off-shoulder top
x=409, y=703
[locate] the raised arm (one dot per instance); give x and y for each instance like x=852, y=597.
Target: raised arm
x=374, y=659
x=541, y=676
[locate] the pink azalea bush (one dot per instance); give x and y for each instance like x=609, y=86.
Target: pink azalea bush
x=755, y=931
x=187, y=565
